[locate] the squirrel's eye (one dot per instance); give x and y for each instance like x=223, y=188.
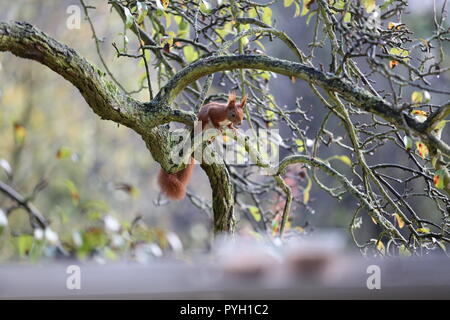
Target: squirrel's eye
x=233, y=115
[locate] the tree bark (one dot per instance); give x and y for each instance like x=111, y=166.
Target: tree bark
x=149, y=119
x=110, y=103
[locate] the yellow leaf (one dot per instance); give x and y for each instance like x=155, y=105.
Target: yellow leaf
x=270, y=115
x=423, y=230
x=345, y=160
x=420, y=115
x=254, y=211
x=381, y=248
x=373, y=220
x=162, y=4
x=287, y=3
x=19, y=133
x=306, y=192
x=300, y=145
x=400, y=53
x=369, y=5
x=394, y=25
x=63, y=153
x=253, y=13
x=168, y=20
x=74, y=194
x=422, y=149
x=400, y=221
x=297, y=10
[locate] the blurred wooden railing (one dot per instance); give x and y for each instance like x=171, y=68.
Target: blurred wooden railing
x=343, y=277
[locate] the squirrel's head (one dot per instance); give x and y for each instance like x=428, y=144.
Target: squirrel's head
x=235, y=109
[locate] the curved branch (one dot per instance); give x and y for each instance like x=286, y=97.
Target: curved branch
x=373, y=212
x=106, y=100
x=359, y=97
x=109, y=102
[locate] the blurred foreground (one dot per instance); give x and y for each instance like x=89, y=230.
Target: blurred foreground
x=240, y=269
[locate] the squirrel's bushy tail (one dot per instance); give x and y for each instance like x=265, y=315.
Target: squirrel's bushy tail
x=174, y=184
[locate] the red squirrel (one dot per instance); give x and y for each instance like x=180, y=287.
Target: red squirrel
x=212, y=115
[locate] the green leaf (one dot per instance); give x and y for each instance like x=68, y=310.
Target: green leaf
x=400, y=53
x=403, y=251
x=259, y=43
x=168, y=20
x=205, y=6
x=183, y=26
x=23, y=244
x=267, y=16
x=417, y=97
x=74, y=194
x=441, y=245
x=439, y=178
x=190, y=53
x=339, y=4
x=298, y=10
x=386, y=4
x=129, y=19
x=408, y=142
x=308, y=20
x=93, y=238
x=440, y=125
x=305, y=9
x=142, y=10
x=426, y=97
x=347, y=17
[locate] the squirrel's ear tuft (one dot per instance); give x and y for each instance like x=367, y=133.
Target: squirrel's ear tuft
x=243, y=102
x=231, y=99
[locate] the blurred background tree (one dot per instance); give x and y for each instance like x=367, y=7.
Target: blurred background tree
x=86, y=175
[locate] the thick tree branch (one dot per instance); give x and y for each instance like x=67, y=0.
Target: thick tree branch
x=359, y=97
x=102, y=95
x=106, y=100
